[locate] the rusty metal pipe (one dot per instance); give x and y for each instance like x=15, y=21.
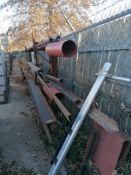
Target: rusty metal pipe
x=66, y=48
x=51, y=96
x=33, y=68
x=45, y=88
x=55, y=79
x=70, y=95
x=55, y=91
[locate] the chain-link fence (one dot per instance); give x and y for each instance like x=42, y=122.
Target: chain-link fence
x=109, y=9
x=104, y=12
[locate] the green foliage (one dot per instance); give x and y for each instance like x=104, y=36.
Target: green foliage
x=124, y=168
x=13, y=169
x=77, y=149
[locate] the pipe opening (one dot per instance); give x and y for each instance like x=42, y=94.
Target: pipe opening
x=69, y=48
x=78, y=101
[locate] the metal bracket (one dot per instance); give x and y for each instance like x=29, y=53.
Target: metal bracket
x=117, y=79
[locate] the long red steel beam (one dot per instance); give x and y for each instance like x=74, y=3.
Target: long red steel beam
x=44, y=112
x=66, y=48
x=51, y=96
x=34, y=71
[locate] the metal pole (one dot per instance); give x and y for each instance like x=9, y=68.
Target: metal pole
x=67, y=20
x=116, y=78
x=79, y=120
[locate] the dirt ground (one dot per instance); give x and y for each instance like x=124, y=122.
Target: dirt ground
x=20, y=143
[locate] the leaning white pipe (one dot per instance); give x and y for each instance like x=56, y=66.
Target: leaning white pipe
x=79, y=120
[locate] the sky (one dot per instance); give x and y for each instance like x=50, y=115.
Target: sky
x=4, y=18
x=5, y=21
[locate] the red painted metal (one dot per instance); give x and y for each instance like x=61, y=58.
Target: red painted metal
x=44, y=112
x=53, y=68
x=103, y=120
x=109, y=149
x=70, y=95
x=54, y=79
x=51, y=96
x=55, y=91
x=66, y=48
x=39, y=46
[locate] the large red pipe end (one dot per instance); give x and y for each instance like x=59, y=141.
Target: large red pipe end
x=69, y=48
x=66, y=48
